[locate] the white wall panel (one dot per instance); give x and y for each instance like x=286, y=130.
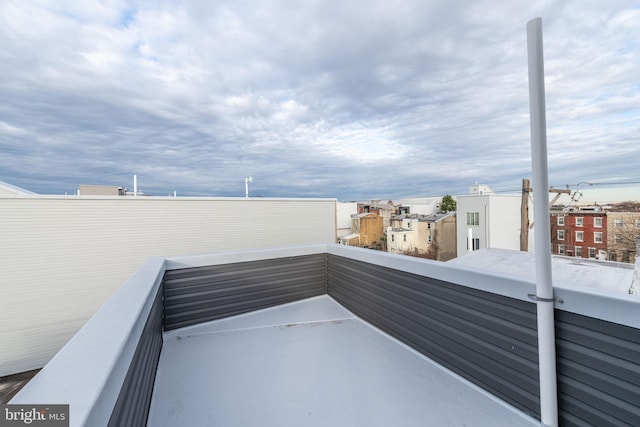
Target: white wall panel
x=61, y=257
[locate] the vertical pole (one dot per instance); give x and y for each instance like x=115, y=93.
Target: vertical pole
x=470, y=240
x=524, y=216
x=544, y=284
x=135, y=185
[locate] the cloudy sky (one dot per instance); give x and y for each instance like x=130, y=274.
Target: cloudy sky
x=319, y=98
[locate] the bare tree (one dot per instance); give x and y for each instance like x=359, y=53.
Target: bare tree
x=419, y=254
x=623, y=229
x=629, y=206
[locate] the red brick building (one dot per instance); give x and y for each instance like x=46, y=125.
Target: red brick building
x=581, y=234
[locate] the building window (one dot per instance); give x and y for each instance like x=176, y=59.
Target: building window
x=579, y=251
x=473, y=218
x=579, y=236
x=592, y=253
x=428, y=225
x=618, y=238
x=560, y=234
x=561, y=249
x=404, y=237
x=597, y=222
x=638, y=223
x=597, y=237
x=560, y=220
x=617, y=223
x=613, y=256
x=393, y=238
x=579, y=221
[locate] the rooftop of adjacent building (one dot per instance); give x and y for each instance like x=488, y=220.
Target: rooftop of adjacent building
x=434, y=217
x=603, y=277
x=6, y=188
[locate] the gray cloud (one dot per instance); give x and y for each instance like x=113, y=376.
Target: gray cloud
x=322, y=98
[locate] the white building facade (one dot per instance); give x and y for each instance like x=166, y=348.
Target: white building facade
x=494, y=220
x=344, y=211
x=403, y=235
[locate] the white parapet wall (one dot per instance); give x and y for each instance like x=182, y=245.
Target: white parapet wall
x=62, y=257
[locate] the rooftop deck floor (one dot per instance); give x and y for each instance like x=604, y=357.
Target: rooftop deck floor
x=310, y=363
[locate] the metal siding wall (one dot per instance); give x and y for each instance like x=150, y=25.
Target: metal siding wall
x=598, y=371
x=200, y=294
x=61, y=257
x=486, y=338
x=132, y=406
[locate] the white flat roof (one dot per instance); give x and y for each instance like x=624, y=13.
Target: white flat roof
x=567, y=272
x=310, y=363
x=349, y=236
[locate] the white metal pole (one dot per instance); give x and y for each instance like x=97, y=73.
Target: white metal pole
x=246, y=186
x=470, y=240
x=544, y=285
x=135, y=185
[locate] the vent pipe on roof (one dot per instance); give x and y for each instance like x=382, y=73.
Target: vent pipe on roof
x=246, y=186
x=135, y=185
x=544, y=286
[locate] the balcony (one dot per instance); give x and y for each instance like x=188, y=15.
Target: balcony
x=334, y=335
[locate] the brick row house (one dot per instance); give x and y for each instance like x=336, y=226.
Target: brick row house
x=595, y=233
x=582, y=234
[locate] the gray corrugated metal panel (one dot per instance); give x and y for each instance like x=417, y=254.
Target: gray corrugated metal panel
x=191, y=289
x=446, y=312
x=132, y=406
x=201, y=294
x=598, y=371
x=482, y=280
x=228, y=274
x=218, y=309
x=486, y=338
x=519, y=313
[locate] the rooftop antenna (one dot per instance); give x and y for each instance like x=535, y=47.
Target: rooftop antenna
x=246, y=186
x=544, y=285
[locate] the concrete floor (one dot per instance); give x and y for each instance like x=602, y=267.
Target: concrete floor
x=310, y=363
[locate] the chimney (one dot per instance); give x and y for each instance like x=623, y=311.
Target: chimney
x=635, y=283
